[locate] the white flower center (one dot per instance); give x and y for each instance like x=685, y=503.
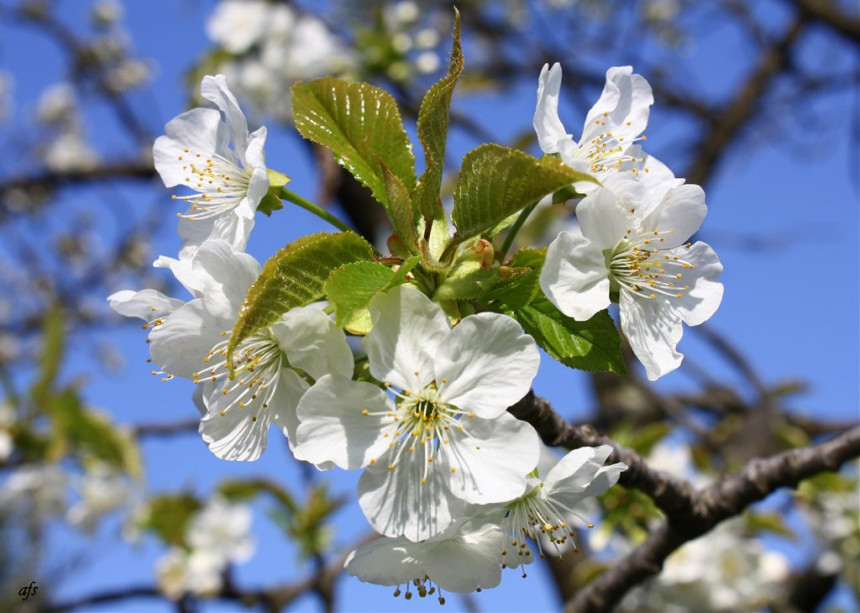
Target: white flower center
x=639, y=265
x=531, y=516
x=421, y=424
x=607, y=151
x=220, y=183
x=257, y=363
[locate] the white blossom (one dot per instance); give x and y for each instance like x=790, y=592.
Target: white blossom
x=723, y=570
x=179, y=572
x=189, y=340
x=222, y=530
x=630, y=246
x=236, y=25
x=211, y=152
x=544, y=513
x=102, y=490
x=448, y=440
x=462, y=559
x=612, y=126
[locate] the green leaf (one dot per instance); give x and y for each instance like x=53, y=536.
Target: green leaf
x=433, y=129
x=530, y=257
x=758, y=522
x=401, y=211
x=51, y=355
x=352, y=286
x=495, y=182
x=361, y=124
x=521, y=284
x=294, y=277
x=592, y=345
x=242, y=490
x=169, y=515
x=90, y=435
x=471, y=285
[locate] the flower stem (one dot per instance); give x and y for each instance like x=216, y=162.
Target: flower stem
x=313, y=208
x=515, y=228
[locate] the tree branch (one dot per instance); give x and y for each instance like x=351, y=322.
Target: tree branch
x=726, y=498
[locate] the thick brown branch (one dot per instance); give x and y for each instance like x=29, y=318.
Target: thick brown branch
x=726, y=498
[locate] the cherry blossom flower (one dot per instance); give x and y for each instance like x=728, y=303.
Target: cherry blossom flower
x=462, y=559
x=211, y=152
x=448, y=440
x=543, y=513
x=612, y=127
x=630, y=247
x=189, y=340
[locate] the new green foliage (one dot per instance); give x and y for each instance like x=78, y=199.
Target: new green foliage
x=495, y=182
x=592, y=345
x=361, y=124
x=433, y=129
x=294, y=277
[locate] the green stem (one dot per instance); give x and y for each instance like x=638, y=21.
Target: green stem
x=515, y=228
x=313, y=208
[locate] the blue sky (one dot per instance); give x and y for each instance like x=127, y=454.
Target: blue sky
x=790, y=304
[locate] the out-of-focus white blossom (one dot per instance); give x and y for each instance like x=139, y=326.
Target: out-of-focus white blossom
x=721, y=571
x=69, y=152
x=179, y=572
x=106, y=13
x=7, y=417
x=223, y=531
x=102, y=489
x=35, y=491
x=216, y=535
x=273, y=46
x=237, y=24
x=57, y=105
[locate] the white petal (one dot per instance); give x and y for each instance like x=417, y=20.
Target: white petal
x=228, y=273
x=147, y=304
x=547, y=124
x=407, y=327
x=284, y=406
x=255, y=154
x=193, y=233
x=488, y=363
x=698, y=304
x=183, y=272
x=386, y=561
x=605, y=478
x=313, y=342
x=332, y=427
x=622, y=108
x=653, y=329
x=215, y=89
x=602, y=220
x=469, y=561
x=397, y=503
x=682, y=211
x=233, y=227
x=195, y=130
x=491, y=458
x=575, y=471
x=575, y=277
x=179, y=345
x=235, y=435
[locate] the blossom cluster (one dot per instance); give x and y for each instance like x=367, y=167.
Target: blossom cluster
x=631, y=246
x=452, y=481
